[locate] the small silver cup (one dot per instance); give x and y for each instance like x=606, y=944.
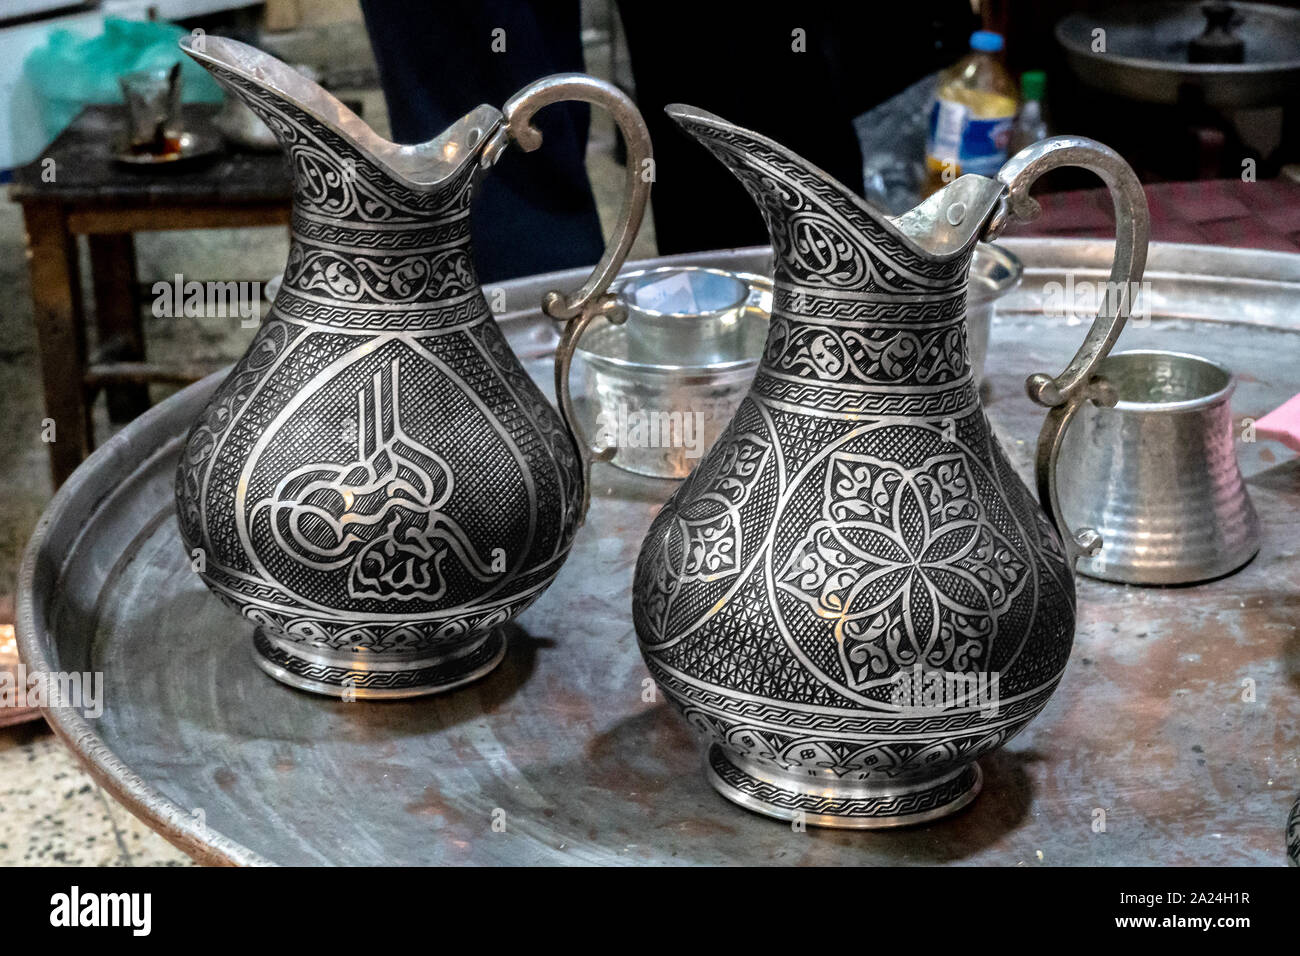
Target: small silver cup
x=1157, y=474
x=685, y=315
x=663, y=385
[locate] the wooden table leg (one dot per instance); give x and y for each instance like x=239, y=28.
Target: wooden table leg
x=60, y=336
x=117, y=318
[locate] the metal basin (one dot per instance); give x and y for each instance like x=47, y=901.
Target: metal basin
x=1145, y=54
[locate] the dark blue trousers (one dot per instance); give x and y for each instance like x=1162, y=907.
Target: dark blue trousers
x=535, y=211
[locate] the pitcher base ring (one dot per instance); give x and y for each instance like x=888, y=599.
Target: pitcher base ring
x=355, y=679
x=848, y=806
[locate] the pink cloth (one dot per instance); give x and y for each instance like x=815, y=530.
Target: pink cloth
x=1224, y=212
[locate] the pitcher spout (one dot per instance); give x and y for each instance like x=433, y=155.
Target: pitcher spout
x=310, y=123
x=824, y=233
x=949, y=222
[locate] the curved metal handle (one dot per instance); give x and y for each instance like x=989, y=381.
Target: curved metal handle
x=1078, y=383
x=591, y=300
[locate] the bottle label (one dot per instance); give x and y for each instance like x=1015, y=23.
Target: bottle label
x=974, y=144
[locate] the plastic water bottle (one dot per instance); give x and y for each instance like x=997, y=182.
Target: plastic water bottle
x=1030, y=126
x=971, y=118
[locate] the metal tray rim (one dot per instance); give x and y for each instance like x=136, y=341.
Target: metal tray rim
x=144, y=800
x=148, y=803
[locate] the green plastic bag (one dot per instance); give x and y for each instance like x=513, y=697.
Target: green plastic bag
x=72, y=71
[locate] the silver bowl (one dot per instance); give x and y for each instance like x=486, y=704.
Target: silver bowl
x=993, y=273
x=660, y=387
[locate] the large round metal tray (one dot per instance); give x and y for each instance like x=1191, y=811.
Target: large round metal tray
x=1149, y=733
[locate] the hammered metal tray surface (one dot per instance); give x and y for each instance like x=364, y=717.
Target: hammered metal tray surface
x=561, y=745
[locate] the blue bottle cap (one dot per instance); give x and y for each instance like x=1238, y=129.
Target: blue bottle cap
x=986, y=41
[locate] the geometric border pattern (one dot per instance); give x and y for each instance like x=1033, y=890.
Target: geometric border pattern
x=896, y=807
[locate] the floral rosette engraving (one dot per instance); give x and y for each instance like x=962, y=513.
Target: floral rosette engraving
x=907, y=566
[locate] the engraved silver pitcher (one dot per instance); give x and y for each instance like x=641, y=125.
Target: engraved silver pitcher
x=379, y=486
x=853, y=596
